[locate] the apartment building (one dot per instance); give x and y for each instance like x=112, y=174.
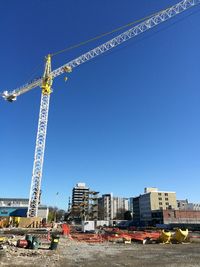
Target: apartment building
x=105, y=203
x=112, y=208
x=152, y=200
x=120, y=206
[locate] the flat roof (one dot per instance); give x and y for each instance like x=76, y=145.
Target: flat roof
x=22, y=207
x=14, y=199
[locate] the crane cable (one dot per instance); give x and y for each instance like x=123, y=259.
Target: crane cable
x=105, y=34
x=95, y=38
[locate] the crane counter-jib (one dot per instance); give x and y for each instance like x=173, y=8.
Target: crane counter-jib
x=11, y=96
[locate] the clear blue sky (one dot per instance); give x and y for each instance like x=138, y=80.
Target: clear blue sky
x=126, y=120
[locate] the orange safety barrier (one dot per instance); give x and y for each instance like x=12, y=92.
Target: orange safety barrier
x=109, y=236
x=87, y=237
x=65, y=229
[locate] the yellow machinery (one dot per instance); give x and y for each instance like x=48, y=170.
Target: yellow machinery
x=165, y=236
x=16, y=221
x=180, y=235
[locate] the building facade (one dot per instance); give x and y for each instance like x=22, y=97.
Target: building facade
x=181, y=216
x=84, y=203
x=14, y=202
x=80, y=201
x=112, y=208
x=174, y=218
x=105, y=208
x=79, y=194
x=185, y=205
x=152, y=200
x=135, y=209
x=18, y=207
x=120, y=206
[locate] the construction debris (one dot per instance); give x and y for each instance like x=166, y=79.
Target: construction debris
x=41, y=244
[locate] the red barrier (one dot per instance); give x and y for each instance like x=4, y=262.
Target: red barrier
x=65, y=229
x=109, y=236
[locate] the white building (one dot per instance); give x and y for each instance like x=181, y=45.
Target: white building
x=120, y=205
x=111, y=208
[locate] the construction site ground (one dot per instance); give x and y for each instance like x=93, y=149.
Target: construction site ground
x=73, y=253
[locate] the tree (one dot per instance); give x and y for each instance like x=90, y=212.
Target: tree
x=100, y=212
x=55, y=214
x=128, y=215
x=76, y=212
x=120, y=214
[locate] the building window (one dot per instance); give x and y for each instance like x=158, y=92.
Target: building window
x=167, y=203
x=166, y=199
x=160, y=203
x=166, y=194
x=160, y=198
x=159, y=194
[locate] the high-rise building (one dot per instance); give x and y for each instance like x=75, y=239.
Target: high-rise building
x=135, y=208
x=105, y=204
x=84, y=203
x=112, y=208
x=79, y=194
x=79, y=201
x=120, y=206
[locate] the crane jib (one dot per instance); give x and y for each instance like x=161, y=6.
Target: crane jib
x=133, y=32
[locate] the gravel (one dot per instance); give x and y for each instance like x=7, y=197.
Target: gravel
x=76, y=254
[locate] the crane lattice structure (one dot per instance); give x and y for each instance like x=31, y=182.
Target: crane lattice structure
x=46, y=82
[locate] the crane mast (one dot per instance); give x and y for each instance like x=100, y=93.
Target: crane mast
x=34, y=197
x=46, y=82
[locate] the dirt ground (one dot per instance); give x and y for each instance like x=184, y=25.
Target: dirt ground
x=73, y=254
